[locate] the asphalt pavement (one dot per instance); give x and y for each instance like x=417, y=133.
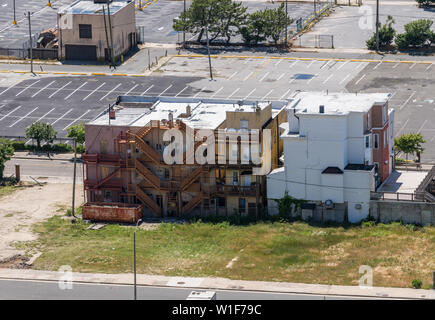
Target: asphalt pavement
x=45, y=290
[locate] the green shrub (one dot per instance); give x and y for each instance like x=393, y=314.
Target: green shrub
x=19, y=145
x=417, y=283
x=386, y=35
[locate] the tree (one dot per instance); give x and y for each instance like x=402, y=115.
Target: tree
x=6, y=152
x=417, y=33
x=386, y=35
x=425, y=3
x=41, y=132
x=409, y=144
x=276, y=22
x=78, y=132
x=265, y=24
x=222, y=17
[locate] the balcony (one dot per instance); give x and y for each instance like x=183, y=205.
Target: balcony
x=242, y=191
x=104, y=158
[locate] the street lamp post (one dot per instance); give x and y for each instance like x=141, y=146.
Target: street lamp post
x=208, y=50
x=14, y=22
x=134, y=250
x=286, y=26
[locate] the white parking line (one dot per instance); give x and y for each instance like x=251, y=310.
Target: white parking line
x=45, y=115
x=248, y=76
x=421, y=128
x=412, y=66
x=165, y=90
x=359, y=65
x=63, y=87
x=394, y=67
x=247, y=60
x=311, y=63
x=280, y=77
x=181, y=91
x=75, y=90
x=134, y=87
x=376, y=66
x=312, y=78
x=285, y=94
x=70, y=110
x=324, y=65
x=23, y=117
x=342, y=65
x=264, y=76
x=93, y=91
x=27, y=88
x=37, y=92
x=267, y=94
x=403, y=127
x=233, y=75
x=326, y=80
x=110, y=91
x=429, y=66
x=294, y=63
x=279, y=61
x=249, y=94
x=363, y=76
x=214, y=94
x=233, y=93
x=147, y=90
x=199, y=92
x=8, y=88
x=407, y=100
x=292, y=79
x=2, y=106
x=7, y=115
x=344, y=79
x=76, y=120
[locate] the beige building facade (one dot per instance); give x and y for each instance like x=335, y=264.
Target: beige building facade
x=87, y=31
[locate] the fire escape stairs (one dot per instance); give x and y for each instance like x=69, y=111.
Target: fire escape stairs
x=106, y=179
x=192, y=203
x=147, y=201
x=186, y=182
x=147, y=174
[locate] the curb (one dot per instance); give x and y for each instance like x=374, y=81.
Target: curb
x=222, y=284
x=53, y=159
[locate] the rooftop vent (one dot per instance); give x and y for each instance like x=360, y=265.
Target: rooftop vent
x=103, y=1
x=321, y=109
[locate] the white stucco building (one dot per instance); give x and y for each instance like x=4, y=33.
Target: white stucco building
x=329, y=152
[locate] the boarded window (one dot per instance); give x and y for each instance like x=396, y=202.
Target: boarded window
x=85, y=31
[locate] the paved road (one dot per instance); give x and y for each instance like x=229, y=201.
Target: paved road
x=40, y=290
x=44, y=170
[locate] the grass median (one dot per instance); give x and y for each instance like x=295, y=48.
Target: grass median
x=280, y=251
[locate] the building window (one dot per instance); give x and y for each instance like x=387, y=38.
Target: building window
x=244, y=124
x=367, y=141
x=235, y=178
x=385, y=139
x=166, y=173
x=242, y=205
x=85, y=31
x=376, y=142
x=221, y=202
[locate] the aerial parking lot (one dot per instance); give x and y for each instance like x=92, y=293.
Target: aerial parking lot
x=66, y=100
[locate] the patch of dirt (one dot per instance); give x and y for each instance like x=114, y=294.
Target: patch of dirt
x=17, y=261
x=30, y=206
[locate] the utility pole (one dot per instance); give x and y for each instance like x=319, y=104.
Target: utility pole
x=111, y=36
x=134, y=253
x=208, y=50
x=286, y=26
x=184, y=25
x=377, y=25
x=74, y=179
x=30, y=42
x=107, y=38
x=14, y=22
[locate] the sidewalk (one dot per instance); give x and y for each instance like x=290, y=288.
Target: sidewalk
x=44, y=156
x=221, y=284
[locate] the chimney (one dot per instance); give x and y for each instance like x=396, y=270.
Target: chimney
x=321, y=109
x=188, y=110
x=171, y=116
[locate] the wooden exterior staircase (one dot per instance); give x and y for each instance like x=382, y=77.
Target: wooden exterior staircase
x=192, y=203
x=147, y=201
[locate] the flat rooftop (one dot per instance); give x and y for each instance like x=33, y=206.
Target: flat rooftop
x=138, y=111
x=336, y=103
x=89, y=7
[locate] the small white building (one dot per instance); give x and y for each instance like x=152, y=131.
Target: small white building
x=327, y=158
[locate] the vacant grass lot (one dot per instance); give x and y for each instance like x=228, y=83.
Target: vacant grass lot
x=293, y=252
x=5, y=190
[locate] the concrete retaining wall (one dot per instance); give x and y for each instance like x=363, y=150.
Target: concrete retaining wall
x=422, y=213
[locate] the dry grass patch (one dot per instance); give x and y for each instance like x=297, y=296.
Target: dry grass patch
x=293, y=252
